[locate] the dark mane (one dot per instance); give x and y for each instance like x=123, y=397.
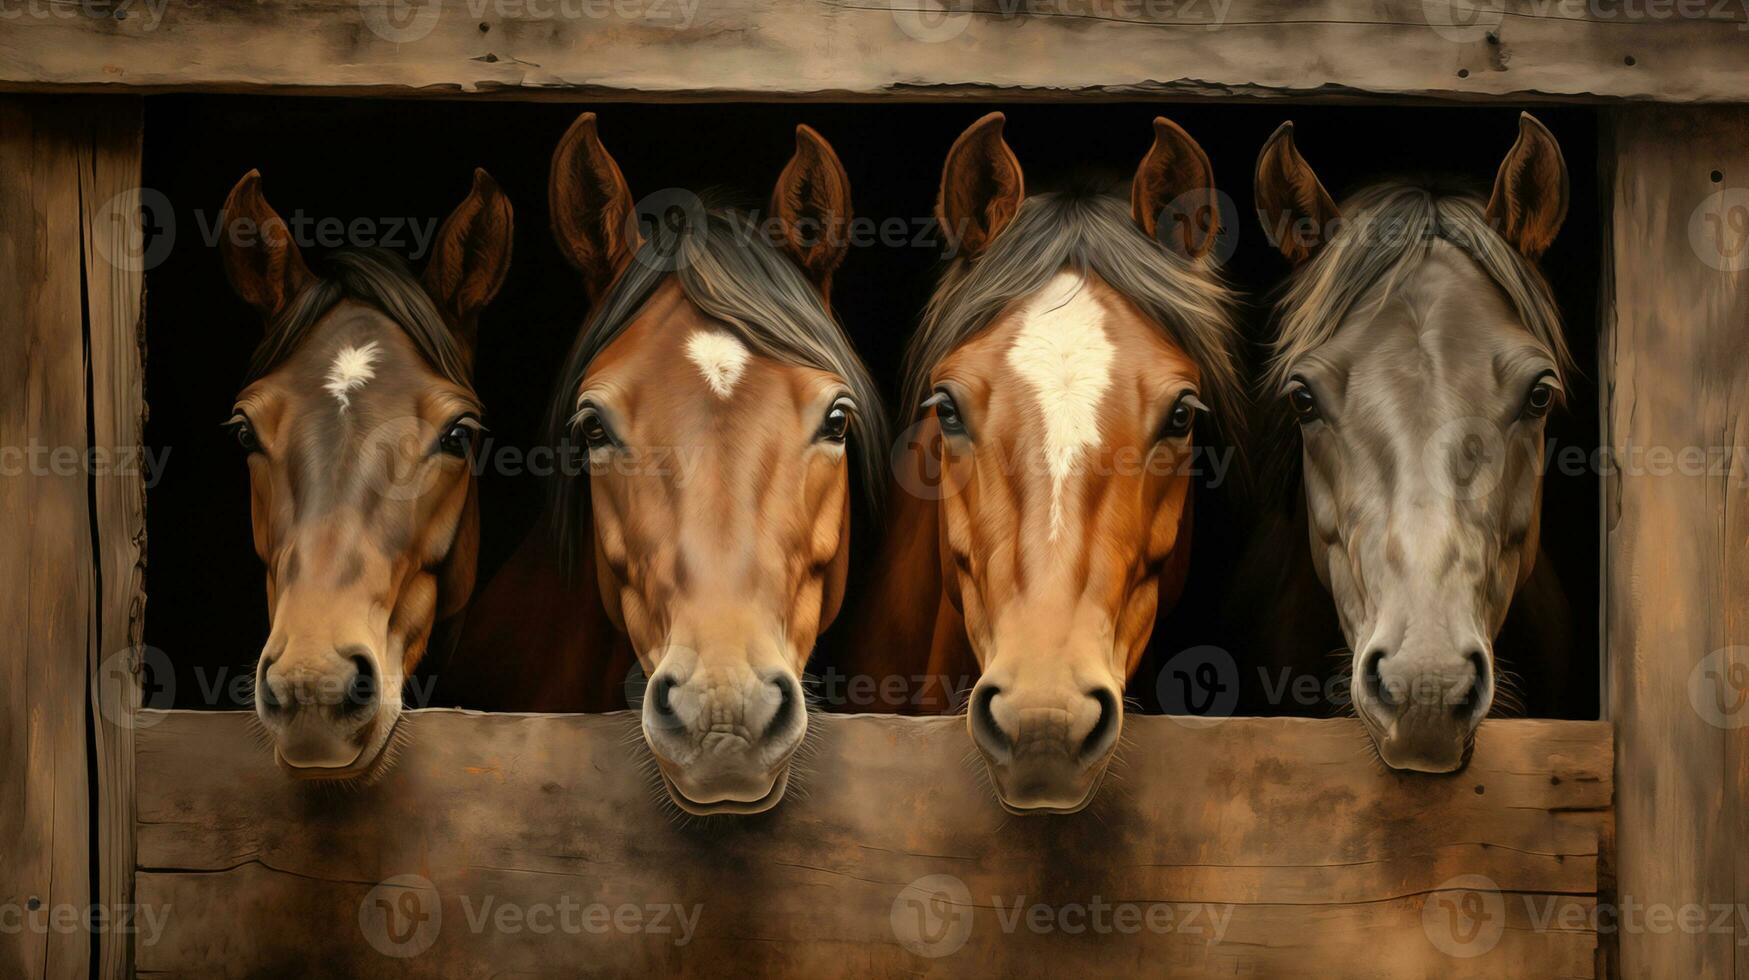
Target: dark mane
x=1388, y=228
x=1092, y=232
x=733, y=274
x=376, y=278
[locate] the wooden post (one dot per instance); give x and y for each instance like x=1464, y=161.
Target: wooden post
x=46, y=591
x=116, y=254
x=1678, y=538
x=64, y=164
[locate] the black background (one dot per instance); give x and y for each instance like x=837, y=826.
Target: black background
x=383, y=160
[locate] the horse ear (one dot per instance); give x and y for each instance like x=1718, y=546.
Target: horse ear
x=1530, y=191
x=592, y=207
x=261, y=259
x=471, y=256
x=812, y=205
x=1176, y=174
x=1296, y=211
x=981, y=187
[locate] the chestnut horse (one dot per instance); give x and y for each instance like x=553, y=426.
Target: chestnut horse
x=1063, y=370
x=1418, y=353
x=720, y=411
x=358, y=418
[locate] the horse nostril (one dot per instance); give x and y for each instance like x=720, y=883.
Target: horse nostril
x=1104, y=732
x=983, y=720
x=1373, y=681
x=264, y=695
x=658, y=702
x=788, y=707
x=361, y=690
x=1475, y=700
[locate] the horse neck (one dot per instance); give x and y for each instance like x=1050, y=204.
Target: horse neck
x=538, y=639
x=1290, y=619
x=904, y=626
x=1536, y=644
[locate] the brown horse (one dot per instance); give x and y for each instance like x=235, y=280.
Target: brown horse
x=358, y=418
x=718, y=407
x=1417, y=357
x=1061, y=368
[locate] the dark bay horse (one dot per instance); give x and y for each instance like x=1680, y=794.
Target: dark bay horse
x=720, y=413
x=1063, y=377
x=1417, y=354
x=358, y=420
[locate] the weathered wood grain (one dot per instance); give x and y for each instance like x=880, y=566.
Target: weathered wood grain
x=920, y=49
x=1317, y=861
x=1677, y=597
x=45, y=540
x=115, y=257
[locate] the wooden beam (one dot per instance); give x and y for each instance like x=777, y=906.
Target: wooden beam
x=115, y=256
x=46, y=596
x=1677, y=599
x=1527, y=50
x=1279, y=847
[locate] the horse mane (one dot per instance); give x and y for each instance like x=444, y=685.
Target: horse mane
x=1387, y=230
x=1091, y=231
x=376, y=278
x=733, y=273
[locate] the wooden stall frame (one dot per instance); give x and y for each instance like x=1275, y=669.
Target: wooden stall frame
x=1672, y=366
x=1471, y=50
x=1276, y=844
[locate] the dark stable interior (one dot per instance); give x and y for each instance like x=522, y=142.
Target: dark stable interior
x=393, y=162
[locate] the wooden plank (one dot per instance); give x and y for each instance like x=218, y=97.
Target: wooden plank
x=116, y=255
x=1283, y=835
x=45, y=535
x=1678, y=545
x=1528, y=50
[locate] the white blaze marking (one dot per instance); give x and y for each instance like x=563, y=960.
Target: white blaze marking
x=1062, y=354
x=352, y=369
x=720, y=358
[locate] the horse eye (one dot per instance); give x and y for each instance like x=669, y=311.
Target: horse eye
x=1182, y=417
x=1305, y=404
x=947, y=414
x=595, y=434
x=457, y=440
x=244, y=433
x=1542, y=396
x=837, y=423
